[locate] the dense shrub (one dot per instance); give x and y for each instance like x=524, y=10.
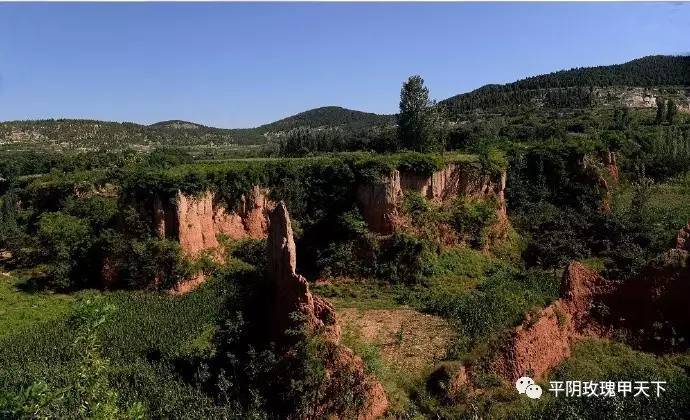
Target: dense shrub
x=64, y=241
x=9, y=220
x=405, y=259
x=420, y=164
x=493, y=161
x=473, y=219
x=147, y=262
x=499, y=301
x=251, y=251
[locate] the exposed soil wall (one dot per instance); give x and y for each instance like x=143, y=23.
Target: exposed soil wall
x=197, y=222
x=379, y=202
x=344, y=370
x=653, y=310
x=546, y=339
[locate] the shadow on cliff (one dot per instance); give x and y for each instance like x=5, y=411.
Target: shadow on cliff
x=653, y=311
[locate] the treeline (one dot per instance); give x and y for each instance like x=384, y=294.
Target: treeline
x=574, y=88
x=494, y=96
x=113, y=135
x=421, y=127
x=657, y=70
x=26, y=163
x=304, y=141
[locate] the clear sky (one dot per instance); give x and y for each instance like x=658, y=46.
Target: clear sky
x=241, y=65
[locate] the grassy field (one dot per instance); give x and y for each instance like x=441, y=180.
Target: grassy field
x=148, y=340
x=20, y=310
x=667, y=205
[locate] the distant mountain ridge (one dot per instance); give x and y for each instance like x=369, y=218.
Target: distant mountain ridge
x=635, y=83
x=93, y=134
x=578, y=83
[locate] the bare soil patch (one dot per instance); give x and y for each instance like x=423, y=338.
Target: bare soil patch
x=408, y=340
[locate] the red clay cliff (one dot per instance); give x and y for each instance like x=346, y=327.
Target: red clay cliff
x=379, y=201
x=291, y=296
x=547, y=338
x=197, y=221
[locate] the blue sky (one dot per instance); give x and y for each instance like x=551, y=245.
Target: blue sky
x=242, y=65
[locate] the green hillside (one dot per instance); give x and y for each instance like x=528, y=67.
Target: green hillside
x=634, y=84
x=92, y=134
x=330, y=116
x=576, y=87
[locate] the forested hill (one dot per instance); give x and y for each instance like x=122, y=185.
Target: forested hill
x=328, y=116
x=578, y=86
x=92, y=134
x=178, y=124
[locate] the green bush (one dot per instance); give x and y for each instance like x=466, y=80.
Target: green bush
x=499, y=300
x=147, y=262
x=415, y=205
x=473, y=219
x=352, y=249
x=9, y=219
x=419, y=163
x=405, y=259
x=373, y=170
x=98, y=211
x=251, y=251
x=493, y=161
x=64, y=240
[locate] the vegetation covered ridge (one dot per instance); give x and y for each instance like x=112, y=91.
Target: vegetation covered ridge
x=647, y=72
x=197, y=177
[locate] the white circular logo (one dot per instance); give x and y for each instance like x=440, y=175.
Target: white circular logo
x=533, y=391
x=523, y=383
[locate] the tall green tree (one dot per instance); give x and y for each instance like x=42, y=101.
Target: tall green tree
x=421, y=124
x=671, y=111
x=660, y=110
x=9, y=227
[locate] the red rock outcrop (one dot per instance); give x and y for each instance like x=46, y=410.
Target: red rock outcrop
x=546, y=339
x=159, y=217
x=196, y=222
x=653, y=308
x=344, y=370
x=379, y=202
x=291, y=290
